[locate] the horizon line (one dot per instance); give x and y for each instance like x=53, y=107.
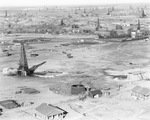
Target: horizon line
x=72, y=5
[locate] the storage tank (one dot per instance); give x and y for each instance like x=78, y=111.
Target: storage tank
x=77, y=89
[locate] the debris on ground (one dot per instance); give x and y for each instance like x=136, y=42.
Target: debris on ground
x=34, y=55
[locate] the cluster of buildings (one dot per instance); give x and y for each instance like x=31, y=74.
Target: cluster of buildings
x=78, y=89
x=50, y=112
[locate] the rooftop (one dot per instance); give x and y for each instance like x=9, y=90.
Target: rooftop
x=30, y=90
x=9, y=104
x=48, y=109
x=141, y=90
x=136, y=88
x=95, y=92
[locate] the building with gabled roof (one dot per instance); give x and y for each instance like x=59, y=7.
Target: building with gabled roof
x=95, y=93
x=49, y=112
x=136, y=89
x=141, y=92
x=145, y=92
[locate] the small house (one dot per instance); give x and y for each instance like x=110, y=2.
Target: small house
x=136, y=90
x=27, y=90
x=77, y=89
x=1, y=110
x=75, y=26
x=9, y=104
x=49, y=112
x=34, y=55
x=106, y=93
x=133, y=34
x=95, y=93
x=140, y=92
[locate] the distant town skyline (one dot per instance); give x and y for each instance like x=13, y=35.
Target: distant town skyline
x=19, y=3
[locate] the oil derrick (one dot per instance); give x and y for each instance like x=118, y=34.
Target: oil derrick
x=112, y=9
x=84, y=10
x=139, y=26
x=23, y=69
x=98, y=25
x=6, y=13
x=130, y=7
x=143, y=13
x=23, y=64
x=108, y=12
x=62, y=22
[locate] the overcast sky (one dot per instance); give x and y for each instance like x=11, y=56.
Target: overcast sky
x=4, y=3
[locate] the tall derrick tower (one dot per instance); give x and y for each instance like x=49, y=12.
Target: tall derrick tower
x=139, y=25
x=23, y=63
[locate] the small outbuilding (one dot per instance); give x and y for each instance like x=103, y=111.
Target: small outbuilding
x=27, y=90
x=49, y=112
x=9, y=104
x=140, y=92
x=34, y=55
x=119, y=27
x=95, y=93
x=77, y=89
x=69, y=55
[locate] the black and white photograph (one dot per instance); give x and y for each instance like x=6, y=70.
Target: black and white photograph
x=74, y=59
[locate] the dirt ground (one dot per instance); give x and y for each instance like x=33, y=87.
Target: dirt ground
x=88, y=64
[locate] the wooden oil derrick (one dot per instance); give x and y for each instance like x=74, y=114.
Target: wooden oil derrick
x=62, y=22
x=142, y=13
x=6, y=14
x=84, y=10
x=112, y=9
x=98, y=25
x=23, y=63
x=130, y=7
x=139, y=25
x=108, y=13
x=23, y=69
